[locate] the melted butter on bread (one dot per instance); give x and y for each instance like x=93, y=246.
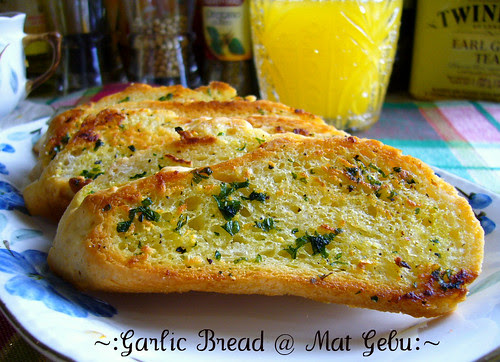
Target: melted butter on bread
x=341, y=220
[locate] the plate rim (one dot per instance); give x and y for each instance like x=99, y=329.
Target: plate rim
x=52, y=353
x=37, y=345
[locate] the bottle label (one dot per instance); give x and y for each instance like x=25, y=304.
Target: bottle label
x=226, y=27
x=457, y=50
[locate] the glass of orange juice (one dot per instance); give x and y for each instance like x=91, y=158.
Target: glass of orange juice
x=329, y=57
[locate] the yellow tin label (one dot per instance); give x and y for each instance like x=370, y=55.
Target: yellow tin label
x=456, y=51
x=226, y=27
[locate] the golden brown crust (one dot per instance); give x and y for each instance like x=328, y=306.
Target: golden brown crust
x=75, y=135
x=270, y=116
x=95, y=145
x=420, y=266
x=64, y=125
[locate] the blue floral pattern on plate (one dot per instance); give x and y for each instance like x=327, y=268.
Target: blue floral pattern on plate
x=19, y=136
x=58, y=310
x=479, y=201
x=33, y=280
x=24, y=234
x=11, y=198
x=3, y=169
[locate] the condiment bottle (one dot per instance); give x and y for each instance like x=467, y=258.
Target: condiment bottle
x=228, y=46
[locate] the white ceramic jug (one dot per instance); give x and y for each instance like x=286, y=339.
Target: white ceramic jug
x=13, y=83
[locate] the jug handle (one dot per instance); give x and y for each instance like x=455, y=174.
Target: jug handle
x=55, y=40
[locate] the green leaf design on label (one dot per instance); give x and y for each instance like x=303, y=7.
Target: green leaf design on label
x=213, y=33
x=216, y=42
x=236, y=47
x=216, y=47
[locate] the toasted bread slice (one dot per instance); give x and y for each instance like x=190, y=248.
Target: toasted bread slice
x=215, y=100
x=102, y=138
x=203, y=141
x=65, y=125
x=271, y=116
x=115, y=133
x=342, y=220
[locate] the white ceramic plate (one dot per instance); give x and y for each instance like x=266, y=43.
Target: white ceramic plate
x=66, y=324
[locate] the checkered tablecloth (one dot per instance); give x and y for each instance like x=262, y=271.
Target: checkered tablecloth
x=461, y=137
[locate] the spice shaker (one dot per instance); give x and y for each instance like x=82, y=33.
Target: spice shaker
x=160, y=42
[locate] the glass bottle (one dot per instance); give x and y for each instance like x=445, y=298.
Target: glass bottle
x=228, y=47
x=89, y=58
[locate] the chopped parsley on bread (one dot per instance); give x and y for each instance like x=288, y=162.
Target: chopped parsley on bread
x=334, y=219
x=82, y=143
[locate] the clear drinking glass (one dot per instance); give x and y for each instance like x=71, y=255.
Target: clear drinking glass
x=89, y=57
x=332, y=58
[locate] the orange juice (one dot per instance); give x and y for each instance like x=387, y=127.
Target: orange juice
x=329, y=57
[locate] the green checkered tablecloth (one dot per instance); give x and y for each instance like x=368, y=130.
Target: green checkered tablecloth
x=461, y=137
